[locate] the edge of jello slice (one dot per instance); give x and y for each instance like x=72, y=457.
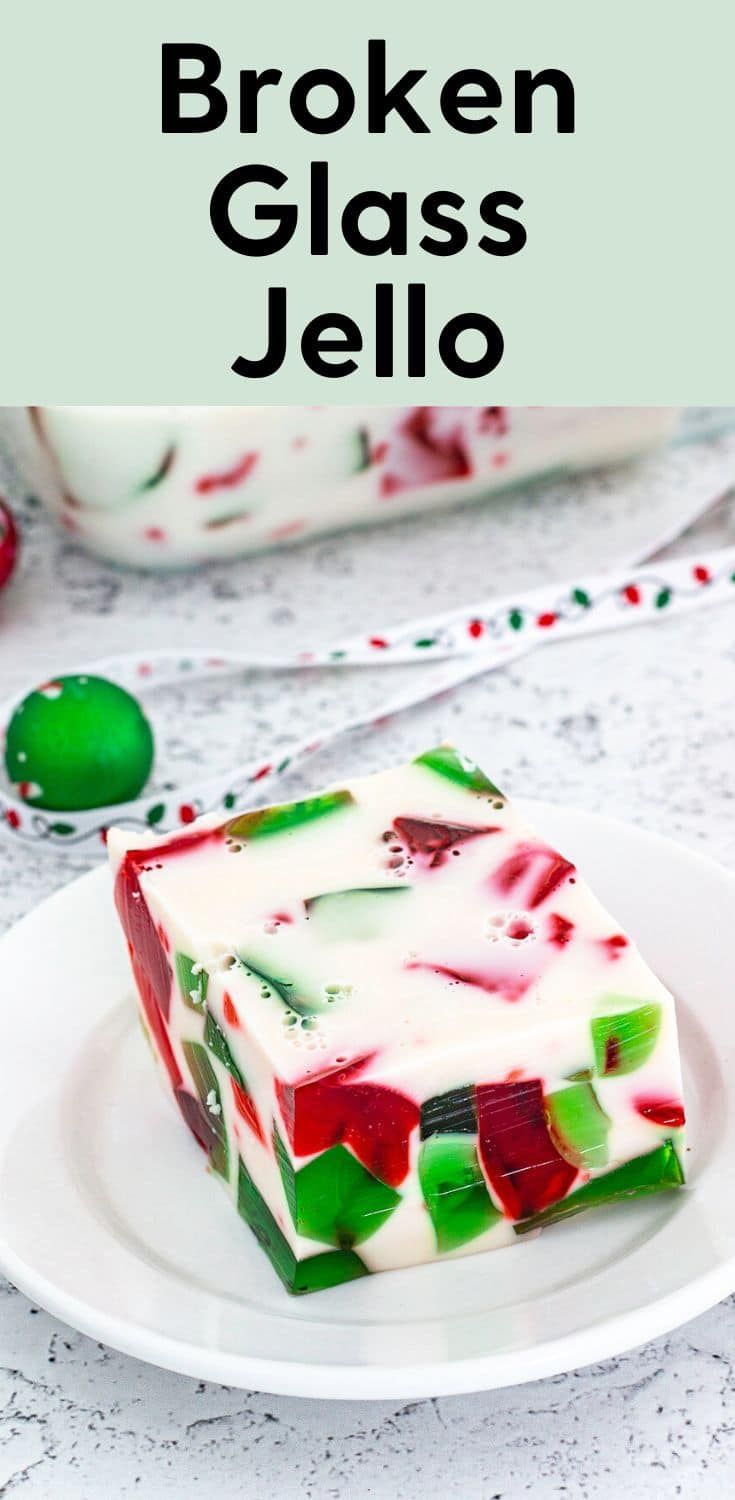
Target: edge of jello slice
x=358, y=1133
x=446, y=761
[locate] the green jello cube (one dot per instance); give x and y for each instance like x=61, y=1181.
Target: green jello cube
x=286, y=990
x=578, y=1124
x=445, y=760
x=454, y=1190
x=314, y=1273
x=334, y=1198
x=652, y=1173
x=282, y=817
x=356, y=914
x=207, y=1087
x=453, y=1113
x=625, y=1040
x=192, y=985
x=217, y=1043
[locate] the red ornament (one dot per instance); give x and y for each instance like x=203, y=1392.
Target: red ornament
x=546, y=620
x=702, y=574
x=9, y=543
x=632, y=593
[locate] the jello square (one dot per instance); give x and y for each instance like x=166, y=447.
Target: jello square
x=398, y=1024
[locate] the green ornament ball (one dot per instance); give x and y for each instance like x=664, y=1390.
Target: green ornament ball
x=78, y=742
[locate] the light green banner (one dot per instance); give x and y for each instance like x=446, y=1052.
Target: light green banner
x=117, y=289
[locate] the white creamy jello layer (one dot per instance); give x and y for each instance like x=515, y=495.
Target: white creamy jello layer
x=164, y=486
x=415, y=1029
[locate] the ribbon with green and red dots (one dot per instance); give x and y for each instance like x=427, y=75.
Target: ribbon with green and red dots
x=463, y=643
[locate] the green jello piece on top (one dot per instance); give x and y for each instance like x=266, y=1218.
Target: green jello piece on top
x=454, y=1189
x=358, y=913
x=266, y=820
x=218, y=1044
x=286, y=990
x=334, y=1198
x=193, y=986
x=207, y=1087
x=653, y=1173
x=447, y=762
x=624, y=1041
x=313, y=1274
x=578, y=1125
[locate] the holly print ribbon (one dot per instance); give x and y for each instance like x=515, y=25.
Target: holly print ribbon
x=451, y=647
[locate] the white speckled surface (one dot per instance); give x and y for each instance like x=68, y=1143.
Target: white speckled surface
x=639, y=725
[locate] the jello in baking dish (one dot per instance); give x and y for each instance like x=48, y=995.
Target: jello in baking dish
x=398, y=1025
x=162, y=486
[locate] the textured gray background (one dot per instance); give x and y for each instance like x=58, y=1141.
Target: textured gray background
x=639, y=725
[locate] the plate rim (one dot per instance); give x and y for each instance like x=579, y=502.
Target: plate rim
x=597, y=1342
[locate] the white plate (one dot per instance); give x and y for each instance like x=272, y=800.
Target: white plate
x=108, y=1220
